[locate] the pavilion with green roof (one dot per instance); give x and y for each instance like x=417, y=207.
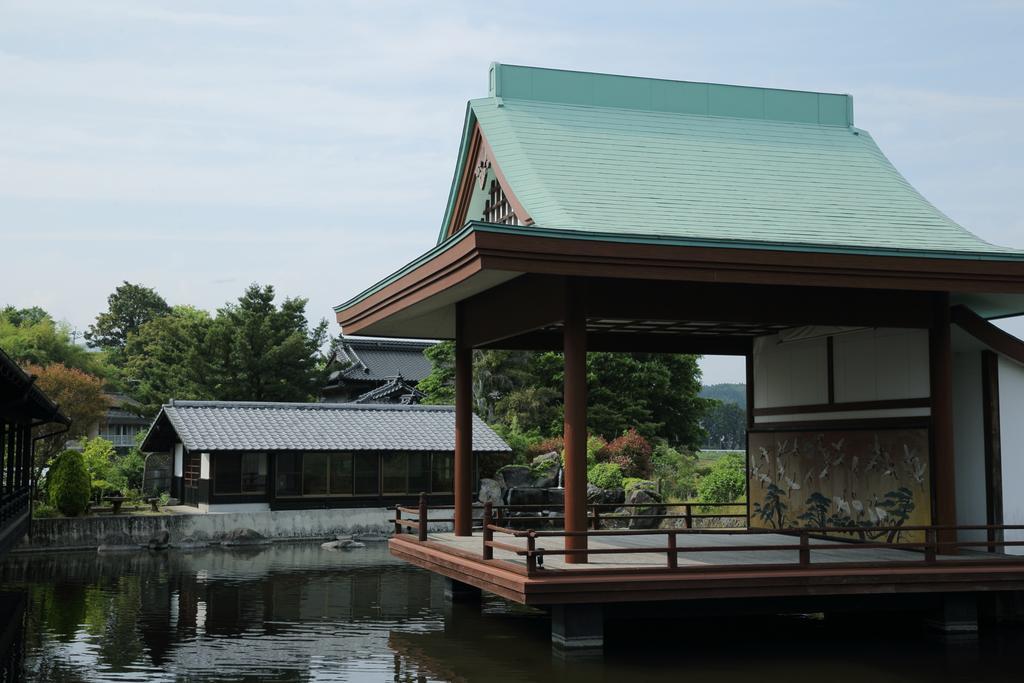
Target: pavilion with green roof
x=611, y=213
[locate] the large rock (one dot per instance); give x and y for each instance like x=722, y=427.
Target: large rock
x=189, y=543
x=648, y=503
x=599, y=496
x=514, y=476
x=242, y=536
x=545, y=470
x=161, y=541
x=490, y=492
x=342, y=544
x=527, y=495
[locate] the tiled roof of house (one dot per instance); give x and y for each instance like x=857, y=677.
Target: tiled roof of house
x=231, y=425
x=379, y=360
x=620, y=157
x=394, y=387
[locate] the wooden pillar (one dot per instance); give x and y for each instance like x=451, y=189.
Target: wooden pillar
x=575, y=429
x=463, y=429
x=940, y=356
x=993, y=445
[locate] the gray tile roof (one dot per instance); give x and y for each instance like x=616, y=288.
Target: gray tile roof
x=231, y=425
x=395, y=387
x=382, y=359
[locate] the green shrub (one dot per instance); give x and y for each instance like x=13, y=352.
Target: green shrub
x=605, y=475
x=69, y=484
x=726, y=482
x=677, y=471
x=595, y=444
x=521, y=442
x=43, y=511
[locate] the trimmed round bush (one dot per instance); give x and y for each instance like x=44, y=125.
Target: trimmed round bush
x=605, y=475
x=69, y=484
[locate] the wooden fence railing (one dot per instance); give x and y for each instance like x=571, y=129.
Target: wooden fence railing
x=937, y=548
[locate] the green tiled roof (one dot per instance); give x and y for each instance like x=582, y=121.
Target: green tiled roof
x=619, y=156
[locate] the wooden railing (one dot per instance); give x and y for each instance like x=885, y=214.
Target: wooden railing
x=937, y=549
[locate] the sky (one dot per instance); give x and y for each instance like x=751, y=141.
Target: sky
x=197, y=147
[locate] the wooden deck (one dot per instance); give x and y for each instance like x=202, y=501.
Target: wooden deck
x=728, y=569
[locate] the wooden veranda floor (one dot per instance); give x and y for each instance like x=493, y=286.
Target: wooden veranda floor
x=727, y=571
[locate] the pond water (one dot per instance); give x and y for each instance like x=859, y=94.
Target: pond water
x=290, y=612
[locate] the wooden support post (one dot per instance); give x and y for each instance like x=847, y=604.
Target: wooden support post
x=940, y=352
x=463, y=428
x=531, y=558
x=422, y=528
x=673, y=556
x=398, y=519
x=488, y=534
x=805, y=549
x=930, y=540
x=993, y=449
x=688, y=511
x=597, y=518
x=575, y=427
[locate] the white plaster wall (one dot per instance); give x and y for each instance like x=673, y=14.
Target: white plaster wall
x=204, y=465
x=790, y=374
x=179, y=460
x=1011, y=429
x=969, y=443
x=881, y=364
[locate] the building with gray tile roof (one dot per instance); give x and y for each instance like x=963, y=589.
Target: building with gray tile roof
x=238, y=455
x=362, y=364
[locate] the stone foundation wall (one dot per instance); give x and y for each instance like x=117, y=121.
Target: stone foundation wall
x=93, y=531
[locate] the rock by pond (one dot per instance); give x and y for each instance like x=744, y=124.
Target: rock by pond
x=346, y=544
x=490, y=492
x=242, y=536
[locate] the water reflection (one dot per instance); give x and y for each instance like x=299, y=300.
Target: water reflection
x=299, y=613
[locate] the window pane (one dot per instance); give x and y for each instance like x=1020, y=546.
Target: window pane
x=314, y=474
x=227, y=474
x=341, y=473
x=289, y=474
x=395, y=472
x=442, y=473
x=365, y=475
x=419, y=472
x=254, y=472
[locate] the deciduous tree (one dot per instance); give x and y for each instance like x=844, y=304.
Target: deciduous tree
x=128, y=308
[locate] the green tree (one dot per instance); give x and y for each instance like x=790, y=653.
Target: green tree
x=128, y=308
x=258, y=351
x=99, y=457
x=164, y=359
x=439, y=386
x=726, y=426
x=69, y=484
x=30, y=336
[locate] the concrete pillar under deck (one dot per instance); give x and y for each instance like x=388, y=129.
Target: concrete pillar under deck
x=456, y=591
x=575, y=426
x=463, y=465
x=577, y=627
x=956, y=614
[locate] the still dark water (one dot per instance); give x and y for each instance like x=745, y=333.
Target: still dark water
x=299, y=613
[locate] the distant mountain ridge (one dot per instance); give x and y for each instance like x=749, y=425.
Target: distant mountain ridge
x=726, y=393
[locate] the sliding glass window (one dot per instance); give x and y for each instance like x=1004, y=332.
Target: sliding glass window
x=239, y=473
x=405, y=473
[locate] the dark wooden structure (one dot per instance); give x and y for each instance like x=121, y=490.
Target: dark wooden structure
x=22, y=408
x=738, y=227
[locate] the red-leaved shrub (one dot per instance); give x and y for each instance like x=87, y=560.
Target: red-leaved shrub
x=631, y=452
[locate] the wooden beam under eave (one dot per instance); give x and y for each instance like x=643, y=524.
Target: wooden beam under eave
x=629, y=343
x=522, y=305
